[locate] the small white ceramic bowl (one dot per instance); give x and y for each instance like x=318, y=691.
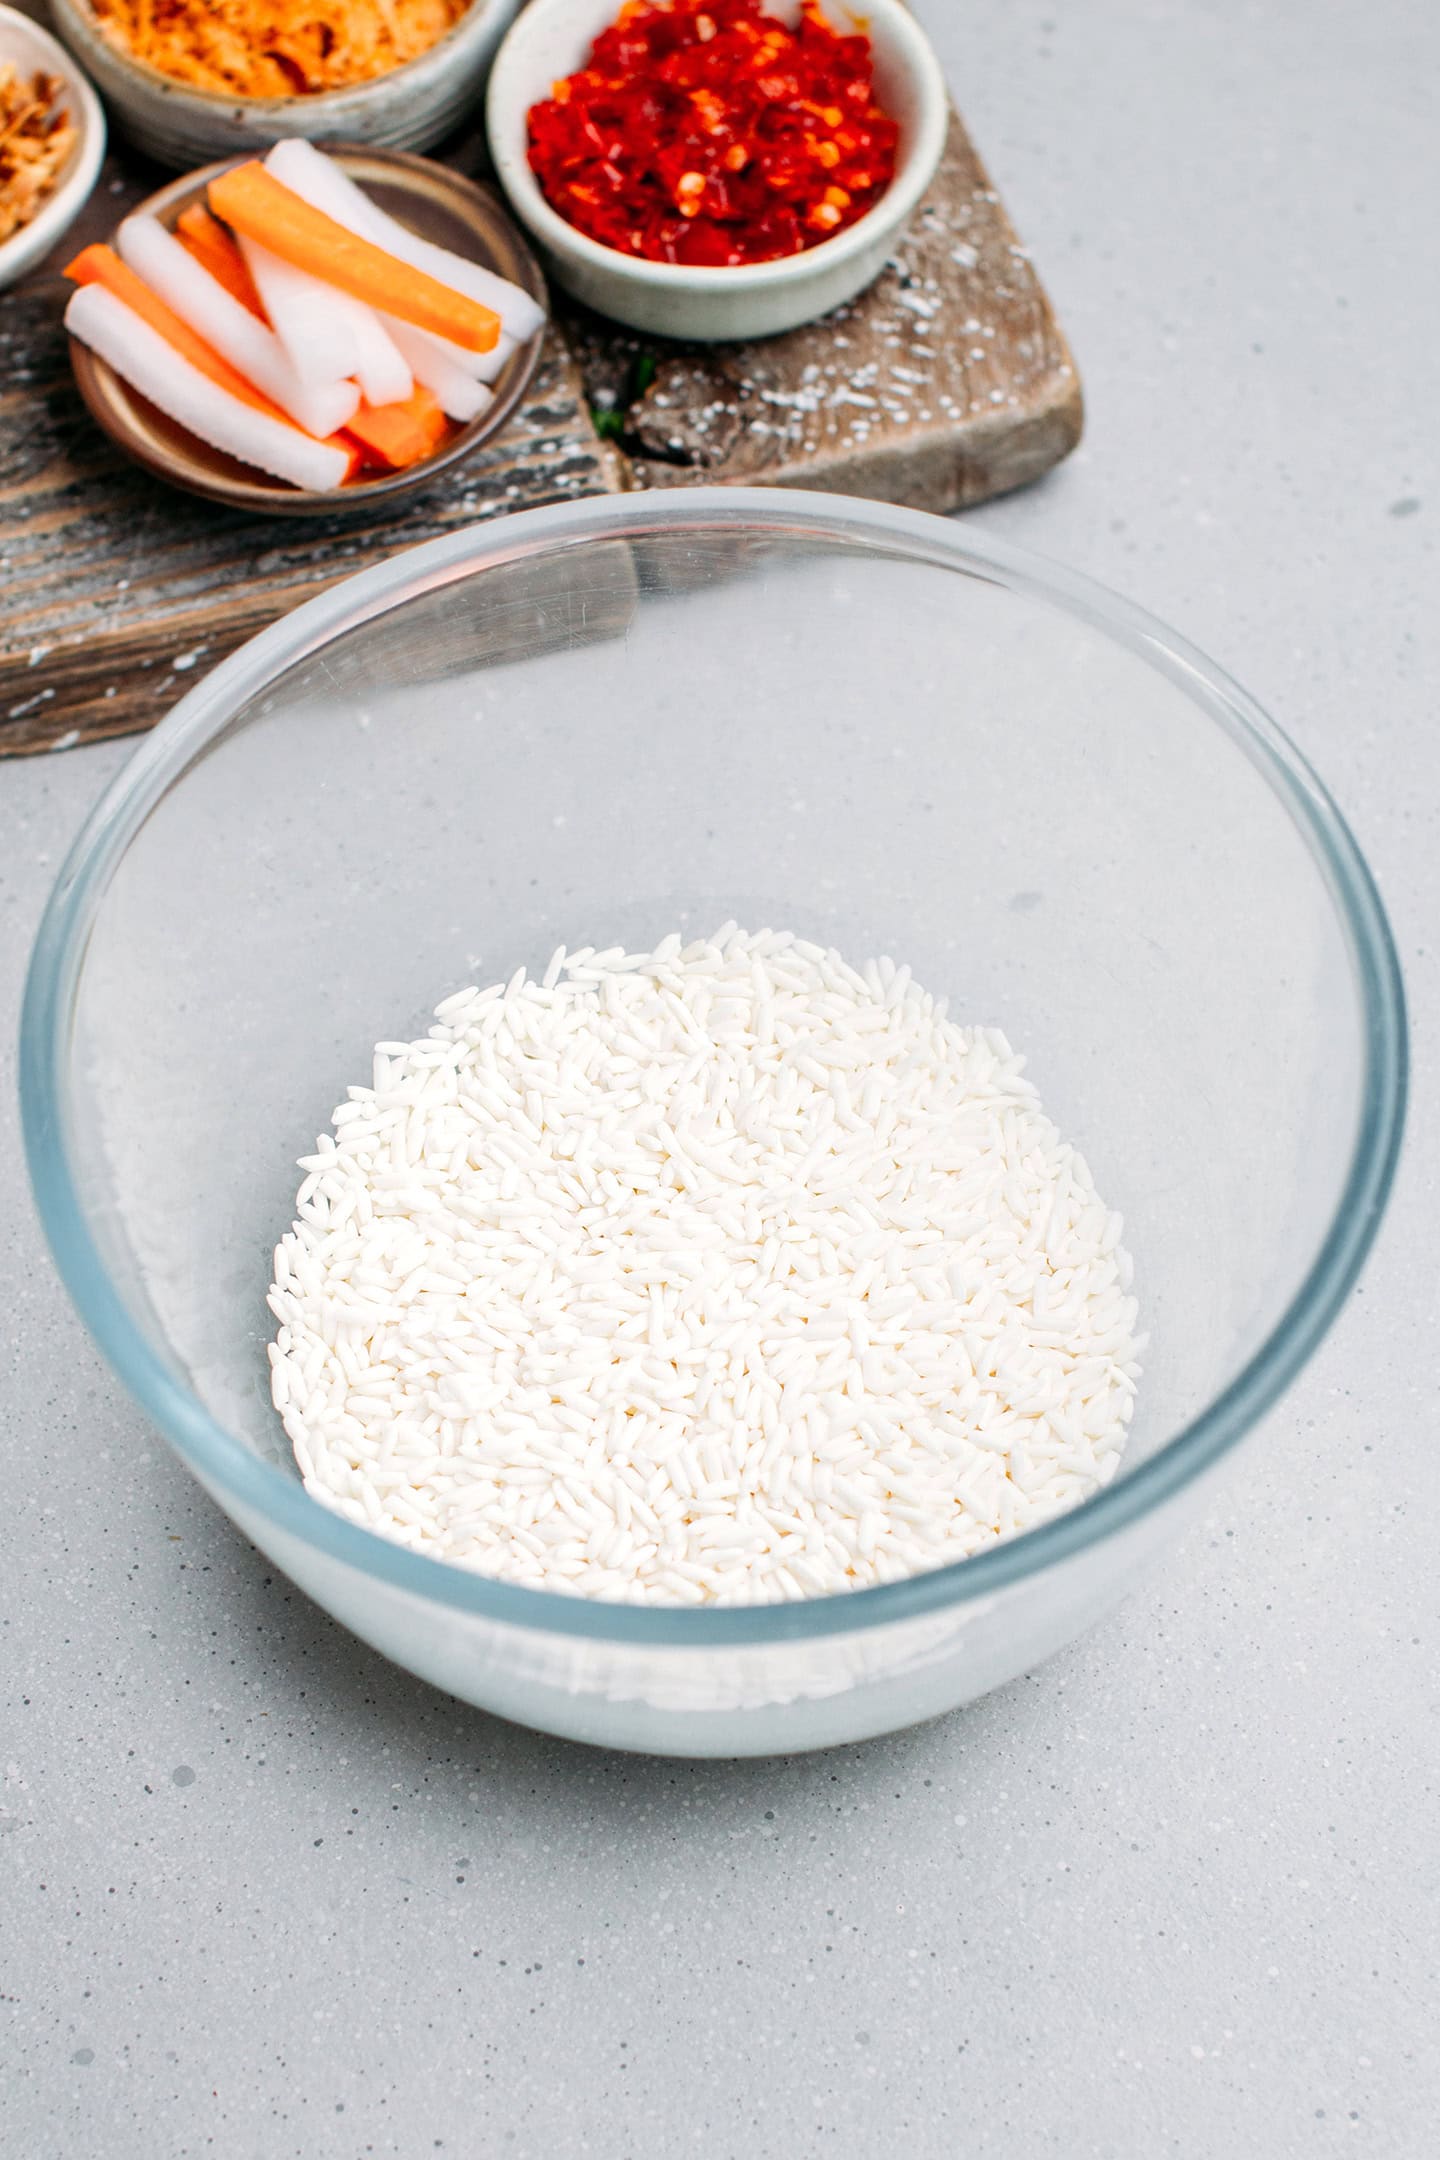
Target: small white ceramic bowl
x=24, y=43
x=408, y=109
x=553, y=37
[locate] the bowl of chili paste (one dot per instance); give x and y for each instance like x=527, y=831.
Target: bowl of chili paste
x=716, y=168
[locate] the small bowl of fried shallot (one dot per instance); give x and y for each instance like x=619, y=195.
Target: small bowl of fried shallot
x=52, y=140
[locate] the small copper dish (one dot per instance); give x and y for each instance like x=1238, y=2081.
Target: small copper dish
x=438, y=204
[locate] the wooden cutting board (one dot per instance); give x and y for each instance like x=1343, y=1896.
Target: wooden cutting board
x=949, y=381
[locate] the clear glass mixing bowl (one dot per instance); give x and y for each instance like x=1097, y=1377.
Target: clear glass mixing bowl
x=600, y=722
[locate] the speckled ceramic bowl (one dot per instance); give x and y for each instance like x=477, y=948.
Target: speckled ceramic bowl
x=552, y=38
x=433, y=201
x=408, y=109
x=26, y=46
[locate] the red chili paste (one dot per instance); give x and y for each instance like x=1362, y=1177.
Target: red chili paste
x=706, y=132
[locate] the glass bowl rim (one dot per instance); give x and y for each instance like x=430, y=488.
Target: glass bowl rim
x=223, y=1463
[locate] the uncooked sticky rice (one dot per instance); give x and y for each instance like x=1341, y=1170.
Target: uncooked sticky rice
x=724, y=1273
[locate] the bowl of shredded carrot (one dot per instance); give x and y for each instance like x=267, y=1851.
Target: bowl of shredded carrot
x=193, y=80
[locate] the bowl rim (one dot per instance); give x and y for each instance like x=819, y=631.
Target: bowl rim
x=59, y=210
x=231, y=1469
x=341, y=101
x=882, y=219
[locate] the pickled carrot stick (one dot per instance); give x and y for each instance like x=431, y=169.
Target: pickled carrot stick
x=326, y=186
x=258, y=206
x=399, y=435
x=211, y=245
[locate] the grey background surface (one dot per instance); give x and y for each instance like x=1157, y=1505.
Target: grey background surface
x=260, y=1894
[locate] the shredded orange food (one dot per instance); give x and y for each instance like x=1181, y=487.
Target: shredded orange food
x=276, y=48
x=36, y=138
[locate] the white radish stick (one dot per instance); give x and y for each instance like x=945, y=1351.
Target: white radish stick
x=309, y=173
x=327, y=334
x=455, y=390
x=481, y=367
x=169, y=270
x=151, y=365
x=311, y=320
x=381, y=367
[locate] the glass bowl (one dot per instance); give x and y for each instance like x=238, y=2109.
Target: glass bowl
x=602, y=721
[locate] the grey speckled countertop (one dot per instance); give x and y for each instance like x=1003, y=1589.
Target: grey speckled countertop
x=261, y=1894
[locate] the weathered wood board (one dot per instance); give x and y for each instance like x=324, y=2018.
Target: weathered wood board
x=949, y=381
